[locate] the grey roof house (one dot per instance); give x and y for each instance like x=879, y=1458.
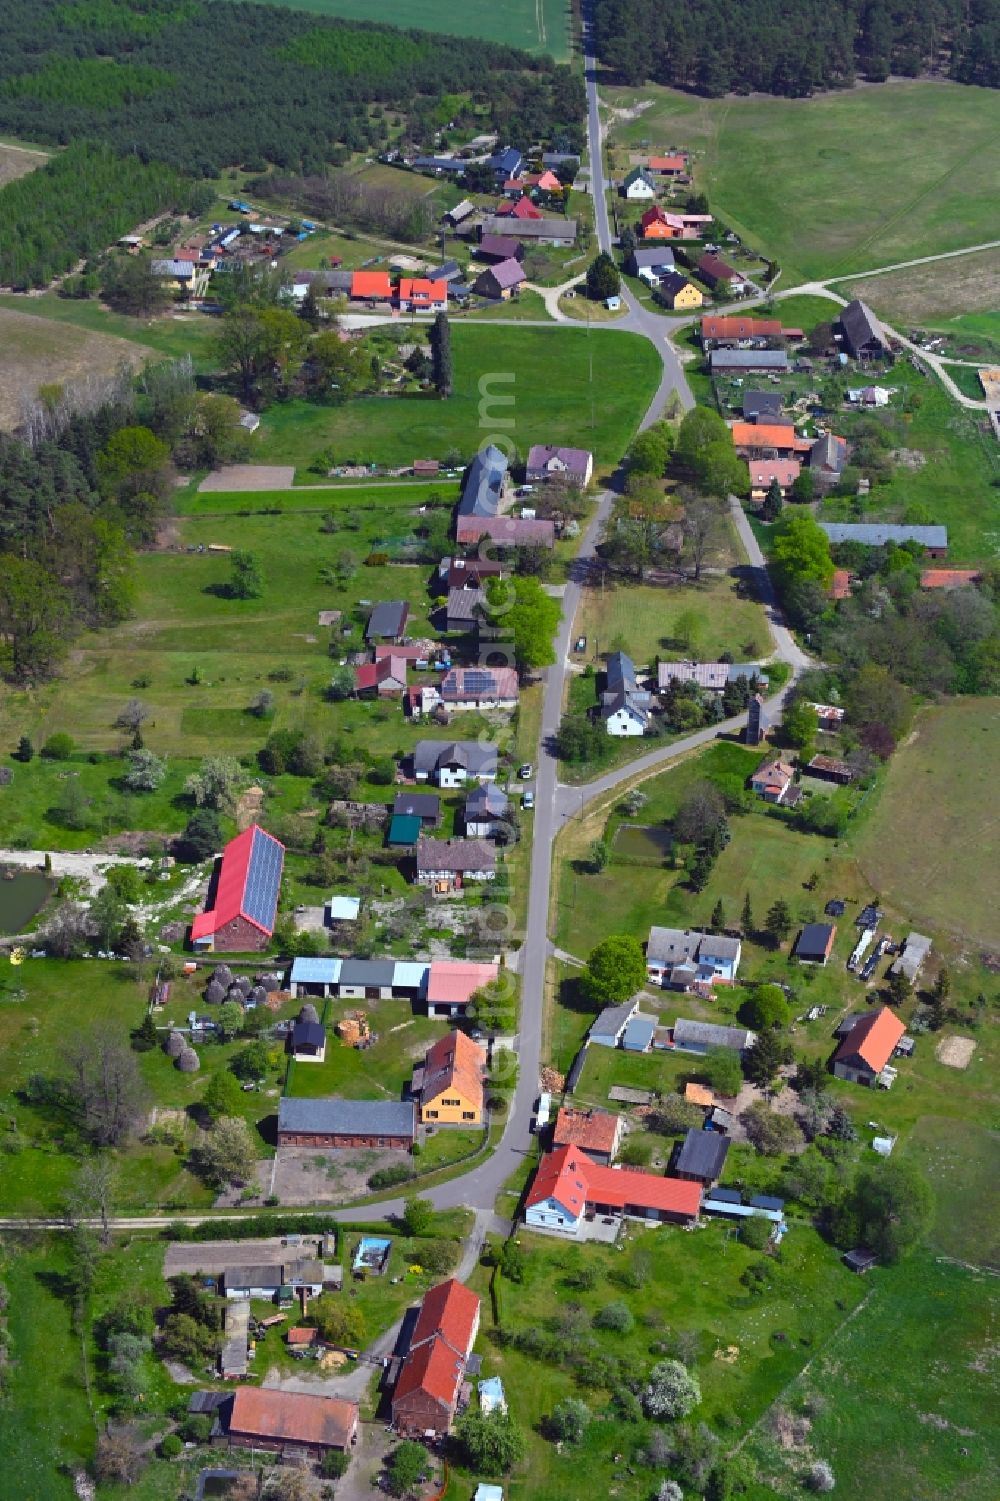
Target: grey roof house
x=678, y=958
x=701, y=1156
x=873, y=534
x=699, y=1037
x=336, y=1122
x=500, y=280
x=728, y=360
x=644, y=257
x=452, y=763
x=608, y=1027
x=387, y=622
x=863, y=333
x=552, y=230
x=487, y=480
x=625, y=707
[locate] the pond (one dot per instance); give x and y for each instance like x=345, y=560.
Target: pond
x=22, y=895
x=642, y=844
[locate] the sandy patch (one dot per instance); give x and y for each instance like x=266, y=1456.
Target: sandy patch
x=249, y=477
x=955, y=1052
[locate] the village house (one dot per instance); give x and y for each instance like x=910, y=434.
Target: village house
x=596, y=1132
x=701, y=1156
x=486, y=808
x=862, y=332
x=650, y=263
x=677, y=292
x=764, y=472
x=421, y=295
x=763, y=406
x=521, y=210
x=831, y=769
x=868, y=1046
x=462, y=211
x=546, y=461
x=188, y=278
x=773, y=779
x=452, y=763
x=289, y=1424
x=827, y=459
x=731, y=331
x=910, y=960
x=815, y=942
x=874, y=534
x=339, y=1124
x=767, y=440
x=758, y=722
x=446, y=865
x=451, y=1082
x=307, y=1042
x=465, y=608
x=570, y=1189
x=506, y=163
x=501, y=281
x=371, y=286
x=548, y=230
x=243, y=896
x=427, y=1390
x=480, y=688
x=468, y=573
x=658, y=224
x=608, y=1027
x=679, y=958
x=452, y=983
x=265, y=1281
x=625, y=707
x=387, y=621
x=668, y=166
x=425, y=806
x=486, y=497
x=638, y=185
x=385, y=678
x=499, y=247
x=715, y=272
x=713, y=676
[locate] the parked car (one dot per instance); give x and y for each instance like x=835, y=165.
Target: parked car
x=526, y=771
x=528, y=800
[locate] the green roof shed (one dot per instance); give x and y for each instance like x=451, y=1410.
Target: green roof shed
x=404, y=829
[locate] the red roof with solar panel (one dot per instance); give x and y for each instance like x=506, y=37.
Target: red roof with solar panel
x=247, y=888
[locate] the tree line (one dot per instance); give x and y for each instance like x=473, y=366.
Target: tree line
x=794, y=47
x=255, y=84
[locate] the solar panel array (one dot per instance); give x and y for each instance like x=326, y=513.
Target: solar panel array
x=475, y=682
x=260, y=895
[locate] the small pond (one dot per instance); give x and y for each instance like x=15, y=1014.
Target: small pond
x=643, y=844
x=22, y=896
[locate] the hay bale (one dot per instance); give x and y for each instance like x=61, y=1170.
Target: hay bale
x=188, y=1061
x=244, y=983
x=235, y=993
x=258, y=995
x=270, y=981
x=308, y=1014
x=224, y=974
x=214, y=993
x=174, y=1045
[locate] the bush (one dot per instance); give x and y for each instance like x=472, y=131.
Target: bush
x=59, y=747
x=333, y=1465
x=616, y=1317
x=755, y=1232
x=171, y=1446
x=388, y=1177
x=820, y=1477
x=671, y=1391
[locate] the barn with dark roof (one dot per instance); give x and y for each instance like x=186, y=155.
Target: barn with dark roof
x=244, y=905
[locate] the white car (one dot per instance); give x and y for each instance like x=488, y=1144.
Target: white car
x=528, y=800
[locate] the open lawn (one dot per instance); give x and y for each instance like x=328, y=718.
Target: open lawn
x=642, y=619
x=902, y=1401
x=961, y=1161
x=376, y=1073
x=535, y=25
x=672, y=1283
x=171, y=335
x=876, y=175
x=529, y=385
x=938, y=856
x=37, y=352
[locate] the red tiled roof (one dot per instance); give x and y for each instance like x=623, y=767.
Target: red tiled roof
x=522, y=209
x=450, y=1310
x=517, y=531
x=454, y=1061
x=763, y=471
x=371, y=674
x=766, y=435
x=371, y=284
x=301, y=1336
x=591, y=1130
x=872, y=1039
x=573, y=1179
x=841, y=585
x=232, y=894
x=292, y=1417
x=729, y=326
x=433, y=1369
x=424, y=291
x=667, y=163
x=949, y=578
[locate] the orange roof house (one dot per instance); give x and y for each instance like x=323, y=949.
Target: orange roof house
x=840, y=588
x=716, y=327
x=418, y=292
x=452, y=1088
x=698, y=1094
x=426, y=1393
x=868, y=1046
x=671, y=166
x=276, y=1420
x=596, y=1132
x=373, y=286
x=569, y=1185
x=658, y=224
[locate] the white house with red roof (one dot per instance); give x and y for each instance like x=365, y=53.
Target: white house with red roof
x=570, y=1188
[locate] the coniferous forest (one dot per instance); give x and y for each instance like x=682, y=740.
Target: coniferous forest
x=205, y=84
x=794, y=47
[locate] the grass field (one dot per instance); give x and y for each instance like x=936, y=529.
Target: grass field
x=930, y=296
x=902, y=1401
x=689, y=1284
x=531, y=385
x=535, y=25
x=961, y=1161
x=172, y=335
x=37, y=352
x=938, y=856
x=842, y=182
x=641, y=619
x=18, y=161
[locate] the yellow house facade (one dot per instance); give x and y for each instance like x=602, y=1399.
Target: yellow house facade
x=451, y=1091
x=687, y=296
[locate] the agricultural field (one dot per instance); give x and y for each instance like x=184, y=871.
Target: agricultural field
x=911, y=1380
x=933, y=295
x=534, y=25
x=938, y=857
x=170, y=336
x=38, y=353
x=876, y=176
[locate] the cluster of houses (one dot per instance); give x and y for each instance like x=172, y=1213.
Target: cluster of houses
x=629, y=702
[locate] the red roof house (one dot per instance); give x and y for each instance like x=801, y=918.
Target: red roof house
x=569, y=1185
x=731, y=328
x=417, y=292
x=243, y=911
x=949, y=578
x=385, y=678
x=522, y=209
x=670, y=166
x=426, y=1393
x=451, y=984
x=596, y=1132
x=274, y=1420
x=868, y=1046
x=840, y=588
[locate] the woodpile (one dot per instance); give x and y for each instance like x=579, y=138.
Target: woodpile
x=553, y=1082
x=353, y=1030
